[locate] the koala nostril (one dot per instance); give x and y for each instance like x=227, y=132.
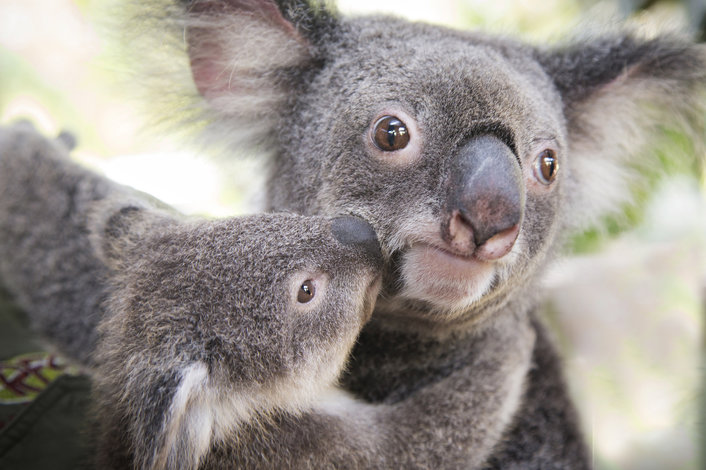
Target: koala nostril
x=499, y=244
x=492, y=244
x=354, y=231
x=460, y=233
x=492, y=219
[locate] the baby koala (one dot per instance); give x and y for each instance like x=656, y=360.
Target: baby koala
x=216, y=344
x=214, y=324
x=203, y=325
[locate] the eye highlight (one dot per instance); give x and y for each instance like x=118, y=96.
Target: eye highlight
x=390, y=134
x=307, y=291
x=546, y=166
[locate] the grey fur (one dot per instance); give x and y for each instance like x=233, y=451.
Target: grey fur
x=203, y=358
x=44, y=239
x=45, y=258
x=221, y=296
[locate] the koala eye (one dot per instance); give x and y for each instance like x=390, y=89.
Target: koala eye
x=306, y=292
x=390, y=134
x=547, y=166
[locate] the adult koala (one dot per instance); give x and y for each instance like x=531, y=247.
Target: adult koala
x=471, y=155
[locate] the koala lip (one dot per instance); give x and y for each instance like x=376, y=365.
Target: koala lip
x=434, y=274
x=434, y=263
x=453, y=262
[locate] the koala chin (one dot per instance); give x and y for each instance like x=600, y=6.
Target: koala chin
x=443, y=279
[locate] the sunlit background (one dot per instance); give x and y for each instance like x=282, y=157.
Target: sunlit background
x=627, y=304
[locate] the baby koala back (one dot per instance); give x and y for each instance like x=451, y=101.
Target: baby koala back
x=44, y=264
x=211, y=324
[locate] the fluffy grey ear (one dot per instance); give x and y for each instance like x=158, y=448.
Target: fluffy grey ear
x=171, y=424
x=113, y=231
x=118, y=228
x=246, y=56
x=618, y=93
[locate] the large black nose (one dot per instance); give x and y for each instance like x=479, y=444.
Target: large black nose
x=354, y=231
x=485, y=200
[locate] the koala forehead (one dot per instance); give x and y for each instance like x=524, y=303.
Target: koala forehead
x=455, y=80
x=258, y=247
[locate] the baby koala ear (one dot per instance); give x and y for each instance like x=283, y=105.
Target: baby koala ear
x=118, y=228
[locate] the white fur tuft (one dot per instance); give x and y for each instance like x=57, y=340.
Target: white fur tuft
x=189, y=426
x=612, y=138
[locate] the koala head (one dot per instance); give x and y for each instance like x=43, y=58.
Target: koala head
x=228, y=318
x=469, y=154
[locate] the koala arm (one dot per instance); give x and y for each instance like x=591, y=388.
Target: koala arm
x=454, y=422
x=545, y=432
x=457, y=421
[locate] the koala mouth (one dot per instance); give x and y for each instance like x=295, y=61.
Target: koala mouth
x=446, y=279
x=448, y=264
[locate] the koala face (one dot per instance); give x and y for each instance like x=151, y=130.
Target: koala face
x=453, y=158
x=256, y=300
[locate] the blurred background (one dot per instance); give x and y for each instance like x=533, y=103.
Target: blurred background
x=626, y=303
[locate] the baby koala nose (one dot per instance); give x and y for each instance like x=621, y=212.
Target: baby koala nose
x=356, y=232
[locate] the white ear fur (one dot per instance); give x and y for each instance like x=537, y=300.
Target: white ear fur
x=239, y=58
x=226, y=65
x=188, y=427
x=237, y=55
x=606, y=134
x=610, y=137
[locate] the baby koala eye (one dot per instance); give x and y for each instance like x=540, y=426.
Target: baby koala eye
x=546, y=167
x=390, y=134
x=306, y=291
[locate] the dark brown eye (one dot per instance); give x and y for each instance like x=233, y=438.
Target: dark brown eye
x=547, y=166
x=306, y=292
x=390, y=134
